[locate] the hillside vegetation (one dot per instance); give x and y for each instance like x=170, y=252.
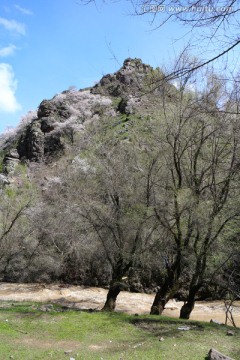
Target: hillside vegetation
x=131, y=184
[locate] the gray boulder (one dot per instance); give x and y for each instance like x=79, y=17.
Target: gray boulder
x=216, y=355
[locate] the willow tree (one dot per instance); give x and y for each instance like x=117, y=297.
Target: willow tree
x=191, y=195
x=218, y=185
x=110, y=195
x=15, y=233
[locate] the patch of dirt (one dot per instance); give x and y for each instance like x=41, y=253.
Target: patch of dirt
x=36, y=343
x=97, y=347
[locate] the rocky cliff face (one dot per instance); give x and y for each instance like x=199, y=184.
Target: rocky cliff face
x=58, y=119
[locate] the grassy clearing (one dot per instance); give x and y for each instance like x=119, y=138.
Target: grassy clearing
x=27, y=333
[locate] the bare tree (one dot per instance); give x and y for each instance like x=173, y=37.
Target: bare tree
x=212, y=25
x=209, y=22
x=113, y=205
x=193, y=194
x=14, y=231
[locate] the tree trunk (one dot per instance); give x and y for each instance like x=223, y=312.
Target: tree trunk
x=186, y=309
x=159, y=303
x=163, y=296
x=188, y=306
x=169, y=288
x=112, y=295
x=117, y=284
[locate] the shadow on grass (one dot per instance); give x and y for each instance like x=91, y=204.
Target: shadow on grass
x=166, y=327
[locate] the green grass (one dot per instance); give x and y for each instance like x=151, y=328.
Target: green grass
x=26, y=333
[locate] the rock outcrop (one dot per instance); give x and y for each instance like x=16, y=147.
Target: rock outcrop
x=3, y=181
x=57, y=120
x=133, y=78
x=10, y=161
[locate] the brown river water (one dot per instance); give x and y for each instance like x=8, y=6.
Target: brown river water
x=81, y=297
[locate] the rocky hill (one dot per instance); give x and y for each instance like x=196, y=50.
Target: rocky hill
x=124, y=184
x=43, y=157
x=132, y=90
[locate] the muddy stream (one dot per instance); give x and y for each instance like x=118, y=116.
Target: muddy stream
x=81, y=297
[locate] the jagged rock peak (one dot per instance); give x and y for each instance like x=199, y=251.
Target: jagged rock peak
x=136, y=64
x=134, y=78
